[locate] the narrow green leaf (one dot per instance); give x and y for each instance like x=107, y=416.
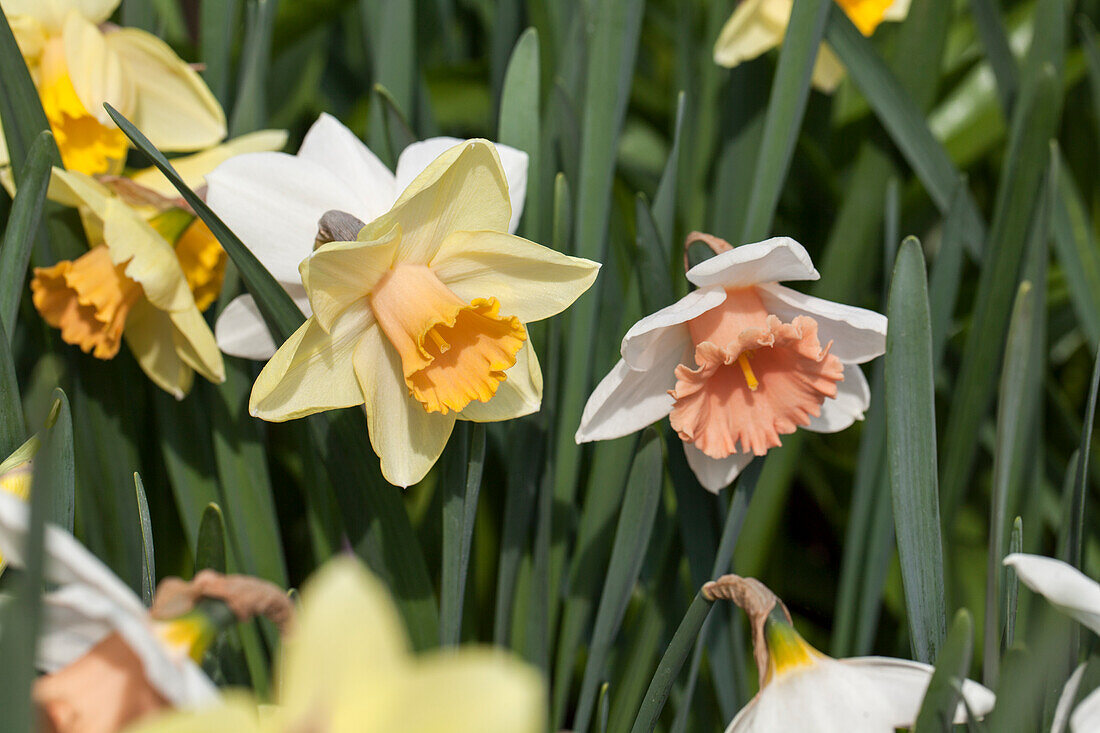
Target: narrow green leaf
x=991, y=30
x=218, y=24
x=664, y=200
x=786, y=106
x=943, y=285
x=462, y=484
x=941, y=699
x=210, y=549
x=395, y=125
x=636, y=517
x=1012, y=585
x=389, y=30
x=672, y=661
x=1071, y=548
x=911, y=451
x=20, y=109
x=1078, y=253
x=12, y=429
x=602, y=705
x=250, y=107
x=520, y=123
x=139, y=14
x=22, y=227
x=183, y=429
x=148, y=558
x=1013, y=432
x=654, y=277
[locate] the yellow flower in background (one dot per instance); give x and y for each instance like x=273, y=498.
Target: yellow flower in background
x=347, y=668
x=79, y=61
x=421, y=319
x=757, y=26
x=15, y=480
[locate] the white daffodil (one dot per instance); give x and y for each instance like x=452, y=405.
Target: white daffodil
x=79, y=61
x=1078, y=596
x=274, y=201
x=739, y=362
x=757, y=26
x=802, y=689
x=95, y=617
x=347, y=668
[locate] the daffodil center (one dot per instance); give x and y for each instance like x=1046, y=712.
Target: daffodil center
x=787, y=650
x=88, y=299
x=86, y=145
x=452, y=352
x=866, y=14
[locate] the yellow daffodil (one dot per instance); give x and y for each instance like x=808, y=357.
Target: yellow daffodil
x=757, y=26
x=79, y=61
x=347, y=668
x=421, y=319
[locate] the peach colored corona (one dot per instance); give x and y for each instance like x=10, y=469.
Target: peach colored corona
x=740, y=361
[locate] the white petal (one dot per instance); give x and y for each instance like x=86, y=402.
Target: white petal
x=335, y=148
x=754, y=27
x=715, y=474
x=273, y=202
x=1065, y=700
x=775, y=259
x=857, y=334
x=651, y=338
x=1065, y=586
x=853, y=397
x=1086, y=718
x=627, y=400
x=241, y=331
x=903, y=683
x=897, y=11
x=416, y=157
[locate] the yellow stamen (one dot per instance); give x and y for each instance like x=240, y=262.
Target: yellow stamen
x=190, y=634
x=787, y=650
x=866, y=14
x=750, y=378
x=452, y=353
x=88, y=299
x=86, y=145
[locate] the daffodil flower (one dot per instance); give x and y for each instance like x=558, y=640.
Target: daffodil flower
x=802, y=689
x=347, y=668
x=92, y=610
x=757, y=26
x=151, y=270
x=739, y=362
x=1078, y=596
x=421, y=319
x=274, y=202
x=79, y=61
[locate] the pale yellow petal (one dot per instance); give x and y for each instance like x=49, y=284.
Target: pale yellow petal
x=172, y=105
x=30, y=35
x=531, y=282
x=152, y=262
x=756, y=26
x=519, y=394
x=195, y=344
x=96, y=69
x=463, y=190
x=236, y=713
x=52, y=13
x=828, y=71
x=349, y=640
x=78, y=190
x=150, y=335
x=407, y=439
x=897, y=11
x=340, y=273
x=313, y=371
x=192, y=168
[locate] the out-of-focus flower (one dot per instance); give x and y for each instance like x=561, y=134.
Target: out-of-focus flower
x=1078, y=596
x=421, y=319
x=757, y=26
x=802, y=689
x=151, y=270
x=95, y=629
x=274, y=202
x=79, y=61
x=15, y=479
x=739, y=362
x=348, y=669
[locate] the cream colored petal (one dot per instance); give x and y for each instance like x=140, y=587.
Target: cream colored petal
x=30, y=35
x=172, y=105
x=313, y=371
x=898, y=11
x=193, y=168
x=52, y=13
x=470, y=691
x=518, y=395
x=756, y=26
x=653, y=338
x=902, y=683
x=70, y=188
x=853, y=397
x=152, y=262
x=773, y=260
x=341, y=273
x=531, y=282
x=1066, y=699
x=407, y=439
x=236, y=713
x=715, y=474
x=241, y=330
x=1086, y=716
x=828, y=71
x=463, y=190
x=150, y=334
x=1071, y=591
x=627, y=400
x=96, y=70
x=349, y=638
x=335, y=148
x=195, y=344
x=857, y=334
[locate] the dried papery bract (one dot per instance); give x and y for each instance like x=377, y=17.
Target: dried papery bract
x=247, y=597
x=757, y=601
